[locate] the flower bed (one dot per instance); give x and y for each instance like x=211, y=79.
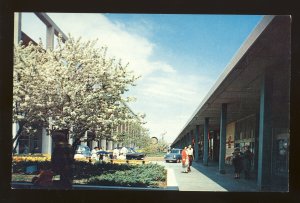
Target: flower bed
x=34, y=157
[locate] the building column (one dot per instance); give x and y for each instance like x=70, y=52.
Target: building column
x=110, y=145
x=84, y=139
x=191, y=138
x=115, y=145
x=50, y=37
x=94, y=144
x=205, y=144
x=196, y=137
x=265, y=133
x=70, y=141
x=46, y=142
x=15, y=129
x=70, y=137
x=17, y=27
x=103, y=144
x=187, y=139
x=222, y=139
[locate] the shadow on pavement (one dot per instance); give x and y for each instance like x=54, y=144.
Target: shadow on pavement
x=226, y=180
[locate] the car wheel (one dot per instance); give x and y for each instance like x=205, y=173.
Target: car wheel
x=178, y=160
x=167, y=161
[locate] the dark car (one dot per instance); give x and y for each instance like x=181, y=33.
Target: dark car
x=173, y=156
x=82, y=151
x=132, y=154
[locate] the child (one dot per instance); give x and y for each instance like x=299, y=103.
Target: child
x=44, y=179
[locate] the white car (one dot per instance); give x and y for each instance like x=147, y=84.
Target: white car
x=82, y=151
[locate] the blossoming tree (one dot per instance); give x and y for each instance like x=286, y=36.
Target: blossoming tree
x=75, y=86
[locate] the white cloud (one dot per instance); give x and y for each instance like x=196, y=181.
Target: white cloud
x=166, y=95
x=130, y=47
x=169, y=100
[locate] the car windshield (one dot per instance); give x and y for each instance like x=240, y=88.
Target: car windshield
x=130, y=150
x=82, y=148
x=175, y=151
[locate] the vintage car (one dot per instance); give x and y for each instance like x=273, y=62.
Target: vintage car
x=173, y=156
x=132, y=154
x=82, y=151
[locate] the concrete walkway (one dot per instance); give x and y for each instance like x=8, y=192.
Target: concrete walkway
x=208, y=178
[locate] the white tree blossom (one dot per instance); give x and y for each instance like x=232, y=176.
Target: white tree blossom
x=75, y=84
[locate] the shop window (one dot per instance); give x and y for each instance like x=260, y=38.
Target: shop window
x=29, y=144
x=24, y=144
x=280, y=158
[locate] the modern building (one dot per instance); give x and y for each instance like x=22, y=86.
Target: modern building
x=249, y=105
x=42, y=142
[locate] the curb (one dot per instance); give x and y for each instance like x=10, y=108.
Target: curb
x=90, y=187
x=171, y=180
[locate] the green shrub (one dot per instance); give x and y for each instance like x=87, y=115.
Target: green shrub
x=145, y=175
x=86, y=170
x=139, y=176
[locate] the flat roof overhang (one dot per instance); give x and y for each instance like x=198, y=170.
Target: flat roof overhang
x=239, y=85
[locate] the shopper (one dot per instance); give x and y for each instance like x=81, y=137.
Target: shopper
x=190, y=153
x=94, y=153
x=248, y=156
x=237, y=163
x=123, y=152
x=116, y=153
x=184, y=160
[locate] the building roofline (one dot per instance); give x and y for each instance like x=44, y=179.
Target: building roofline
x=49, y=23
x=253, y=36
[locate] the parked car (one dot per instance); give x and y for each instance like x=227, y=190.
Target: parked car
x=173, y=156
x=132, y=154
x=82, y=151
x=102, y=153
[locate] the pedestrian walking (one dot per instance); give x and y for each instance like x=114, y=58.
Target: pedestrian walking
x=248, y=156
x=190, y=153
x=116, y=153
x=184, y=160
x=94, y=153
x=123, y=152
x=237, y=163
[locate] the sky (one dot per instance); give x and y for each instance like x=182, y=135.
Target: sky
x=178, y=56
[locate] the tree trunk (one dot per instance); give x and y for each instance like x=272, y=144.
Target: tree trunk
x=74, y=144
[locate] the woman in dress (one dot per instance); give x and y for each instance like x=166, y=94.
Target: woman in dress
x=185, y=160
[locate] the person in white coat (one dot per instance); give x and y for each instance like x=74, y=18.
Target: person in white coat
x=116, y=153
x=94, y=153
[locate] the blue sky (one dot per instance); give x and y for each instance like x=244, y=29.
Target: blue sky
x=178, y=56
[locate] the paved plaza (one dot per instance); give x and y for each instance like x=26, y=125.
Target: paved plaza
x=208, y=178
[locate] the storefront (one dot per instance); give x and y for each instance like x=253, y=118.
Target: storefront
x=246, y=134
x=280, y=156
x=230, y=130
x=214, y=145
x=253, y=97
